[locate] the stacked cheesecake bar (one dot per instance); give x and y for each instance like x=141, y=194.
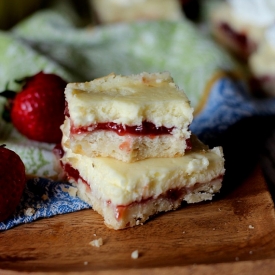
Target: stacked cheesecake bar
x=240, y=24
x=247, y=28
x=128, y=148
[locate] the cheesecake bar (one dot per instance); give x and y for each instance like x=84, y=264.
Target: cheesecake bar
x=113, y=11
x=262, y=63
x=240, y=24
x=128, y=118
x=128, y=194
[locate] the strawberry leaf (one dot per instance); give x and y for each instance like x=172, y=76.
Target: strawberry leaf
x=6, y=115
x=9, y=95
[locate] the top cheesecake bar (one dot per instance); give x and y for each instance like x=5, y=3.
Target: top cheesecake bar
x=128, y=117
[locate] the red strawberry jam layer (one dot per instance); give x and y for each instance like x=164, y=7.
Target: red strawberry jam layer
x=58, y=151
x=147, y=128
x=266, y=78
x=240, y=39
x=73, y=173
x=173, y=195
x=263, y=85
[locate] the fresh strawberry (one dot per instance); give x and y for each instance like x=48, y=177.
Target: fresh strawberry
x=12, y=181
x=42, y=79
x=37, y=111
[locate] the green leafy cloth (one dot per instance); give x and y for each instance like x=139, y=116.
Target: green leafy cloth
x=51, y=40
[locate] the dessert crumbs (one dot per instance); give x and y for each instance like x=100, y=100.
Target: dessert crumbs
x=135, y=254
x=71, y=190
x=29, y=211
x=96, y=243
x=138, y=222
x=45, y=197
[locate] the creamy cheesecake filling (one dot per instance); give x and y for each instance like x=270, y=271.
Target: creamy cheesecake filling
x=130, y=100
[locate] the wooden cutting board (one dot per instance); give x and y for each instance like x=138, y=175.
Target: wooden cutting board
x=234, y=234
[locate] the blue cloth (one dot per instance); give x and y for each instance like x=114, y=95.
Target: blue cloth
x=228, y=103
x=45, y=198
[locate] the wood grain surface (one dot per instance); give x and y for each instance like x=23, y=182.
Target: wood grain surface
x=234, y=234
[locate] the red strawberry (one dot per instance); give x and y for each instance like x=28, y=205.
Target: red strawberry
x=37, y=111
x=12, y=181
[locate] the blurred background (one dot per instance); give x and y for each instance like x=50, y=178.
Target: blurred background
x=13, y=11
x=252, y=139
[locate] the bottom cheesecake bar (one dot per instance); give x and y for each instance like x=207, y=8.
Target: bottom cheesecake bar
x=128, y=194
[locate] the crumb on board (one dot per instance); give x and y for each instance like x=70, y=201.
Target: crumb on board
x=45, y=197
x=85, y=263
x=29, y=211
x=71, y=190
x=96, y=243
x=138, y=222
x=134, y=254
x=251, y=226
